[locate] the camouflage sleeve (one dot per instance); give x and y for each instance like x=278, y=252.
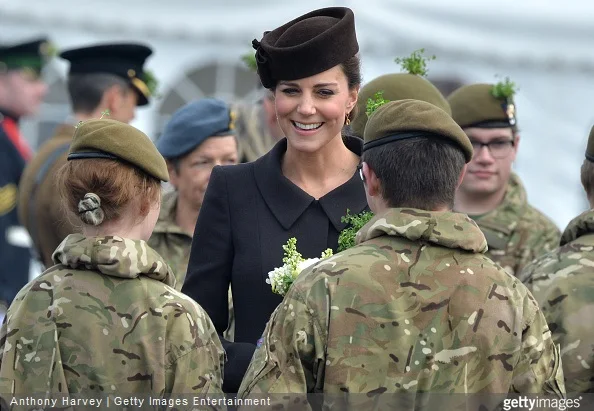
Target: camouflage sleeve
x=290, y=354
x=541, y=241
x=199, y=371
x=567, y=306
x=539, y=368
x=526, y=276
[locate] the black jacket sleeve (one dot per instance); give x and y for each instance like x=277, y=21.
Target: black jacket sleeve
x=209, y=273
x=211, y=257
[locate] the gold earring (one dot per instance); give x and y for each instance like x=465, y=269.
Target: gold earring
x=347, y=120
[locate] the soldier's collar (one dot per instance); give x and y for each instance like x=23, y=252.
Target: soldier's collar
x=578, y=227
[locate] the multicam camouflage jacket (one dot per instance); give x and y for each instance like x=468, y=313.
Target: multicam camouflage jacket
x=107, y=318
x=562, y=282
x=414, y=307
x=172, y=243
x=516, y=232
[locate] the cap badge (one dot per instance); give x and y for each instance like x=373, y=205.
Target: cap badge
x=510, y=111
x=232, y=118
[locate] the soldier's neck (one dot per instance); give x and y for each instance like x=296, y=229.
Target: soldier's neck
x=87, y=116
x=478, y=203
x=186, y=216
x=115, y=229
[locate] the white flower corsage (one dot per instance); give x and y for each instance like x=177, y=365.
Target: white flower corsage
x=281, y=278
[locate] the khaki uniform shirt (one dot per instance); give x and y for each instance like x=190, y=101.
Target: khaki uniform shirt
x=48, y=220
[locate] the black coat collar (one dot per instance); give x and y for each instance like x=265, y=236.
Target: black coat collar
x=288, y=202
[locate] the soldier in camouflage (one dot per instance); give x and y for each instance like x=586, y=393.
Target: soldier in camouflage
x=415, y=306
x=198, y=137
x=106, y=318
x=257, y=126
x=491, y=194
x=562, y=282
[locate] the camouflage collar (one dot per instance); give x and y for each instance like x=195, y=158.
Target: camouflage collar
x=113, y=256
x=506, y=215
x=578, y=227
x=166, y=222
x=445, y=228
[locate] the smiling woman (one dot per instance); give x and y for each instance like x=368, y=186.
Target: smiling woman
x=300, y=189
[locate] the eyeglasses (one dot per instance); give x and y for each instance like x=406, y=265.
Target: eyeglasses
x=498, y=149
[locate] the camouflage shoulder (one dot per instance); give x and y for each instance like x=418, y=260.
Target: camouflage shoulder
x=351, y=262
x=568, y=263
x=193, y=309
x=538, y=268
x=543, y=222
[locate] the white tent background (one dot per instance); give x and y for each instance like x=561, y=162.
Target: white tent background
x=544, y=46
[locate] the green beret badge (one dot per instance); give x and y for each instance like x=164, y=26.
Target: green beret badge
x=505, y=91
x=375, y=102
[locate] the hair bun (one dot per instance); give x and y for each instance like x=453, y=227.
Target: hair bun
x=89, y=209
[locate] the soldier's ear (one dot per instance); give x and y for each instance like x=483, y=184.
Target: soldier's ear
x=112, y=99
x=462, y=174
x=173, y=177
x=516, y=141
x=372, y=183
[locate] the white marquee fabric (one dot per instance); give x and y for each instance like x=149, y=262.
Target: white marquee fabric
x=544, y=46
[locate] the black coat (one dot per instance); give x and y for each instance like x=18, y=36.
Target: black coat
x=249, y=212
x=14, y=259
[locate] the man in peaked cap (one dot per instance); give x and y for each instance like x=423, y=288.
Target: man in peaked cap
x=562, y=282
x=491, y=193
x=415, y=306
x=21, y=93
x=198, y=137
x=101, y=77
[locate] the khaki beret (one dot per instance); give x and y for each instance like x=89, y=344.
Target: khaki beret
x=403, y=119
x=590, y=147
x=474, y=106
x=119, y=141
x=397, y=86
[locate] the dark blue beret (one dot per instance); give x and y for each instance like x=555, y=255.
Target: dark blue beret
x=193, y=123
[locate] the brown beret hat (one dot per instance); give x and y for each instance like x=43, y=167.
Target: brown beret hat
x=397, y=86
x=474, y=106
x=307, y=45
x=119, y=141
x=399, y=120
x=590, y=147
